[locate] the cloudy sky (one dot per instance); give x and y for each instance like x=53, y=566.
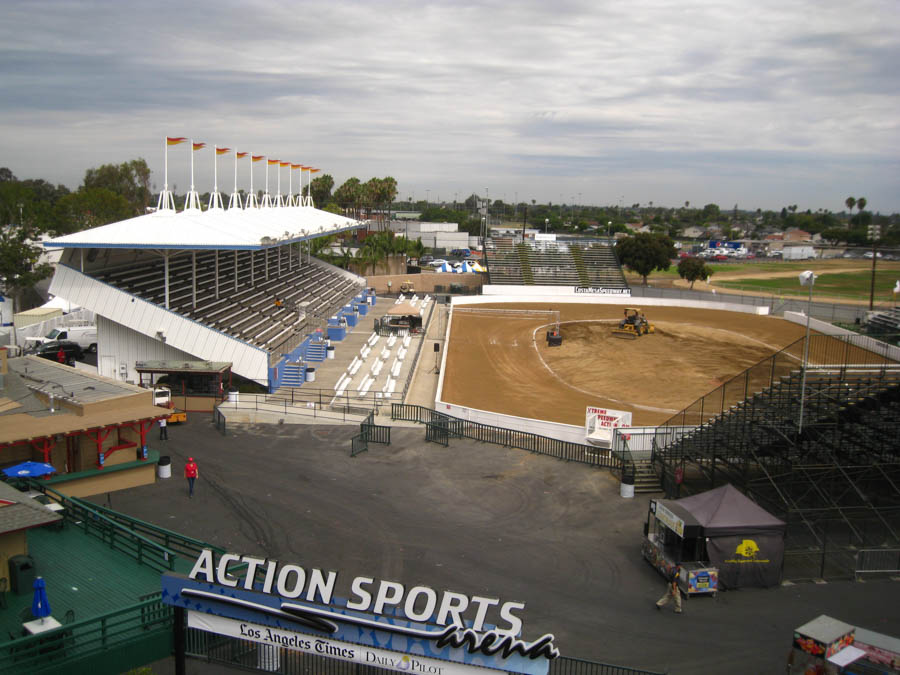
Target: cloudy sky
x=762, y=103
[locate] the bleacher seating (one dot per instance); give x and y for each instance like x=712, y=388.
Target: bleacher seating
x=582, y=263
x=885, y=324
x=246, y=310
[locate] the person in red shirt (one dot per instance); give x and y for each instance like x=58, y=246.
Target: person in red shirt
x=61, y=355
x=191, y=472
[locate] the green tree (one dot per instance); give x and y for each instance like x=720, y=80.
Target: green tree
x=129, y=179
x=348, y=196
x=19, y=230
x=710, y=212
x=87, y=208
x=320, y=187
x=692, y=269
x=643, y=253
x=850, y=202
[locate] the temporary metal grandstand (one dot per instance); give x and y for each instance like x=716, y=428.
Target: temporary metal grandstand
x=822, y=452
x=583, y=262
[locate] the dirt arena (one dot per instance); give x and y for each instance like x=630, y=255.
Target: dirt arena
x=504, y=364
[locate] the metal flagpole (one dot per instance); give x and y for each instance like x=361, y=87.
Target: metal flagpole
x=235, y=200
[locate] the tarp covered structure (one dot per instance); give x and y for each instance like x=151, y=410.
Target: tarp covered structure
x=744, y=541
x=404, y=308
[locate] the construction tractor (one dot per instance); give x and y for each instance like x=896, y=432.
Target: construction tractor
x=162, y=396
x=633, y=325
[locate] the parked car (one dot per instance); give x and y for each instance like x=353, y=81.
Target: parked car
x=85, y=336
x=50, y=351
x=461, y=252
x=437, y=262
x=426, y=259
x=720, y=257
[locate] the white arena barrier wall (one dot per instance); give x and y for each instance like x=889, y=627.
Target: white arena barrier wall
x=557, y=295
x=864, y=341
x=568, y=294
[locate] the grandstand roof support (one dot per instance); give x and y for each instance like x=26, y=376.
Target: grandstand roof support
x=194, y=278
x=217, y=274
x=235, y=271
x=165, y=256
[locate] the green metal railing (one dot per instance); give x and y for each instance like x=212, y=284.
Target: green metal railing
x=114, y=642
x=440, y=428
x=98, y=522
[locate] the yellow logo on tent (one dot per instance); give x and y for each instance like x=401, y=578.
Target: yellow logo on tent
x=747, y=549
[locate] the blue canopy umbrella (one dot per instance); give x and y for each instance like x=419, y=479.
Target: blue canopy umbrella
x=445, y=268
x=29, y=470
x=40, y=606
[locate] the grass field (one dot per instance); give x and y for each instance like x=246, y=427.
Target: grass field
x=836, y=284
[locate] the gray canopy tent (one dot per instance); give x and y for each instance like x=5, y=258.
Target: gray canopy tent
x=743, y=540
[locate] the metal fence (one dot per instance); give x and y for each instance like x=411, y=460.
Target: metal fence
x=263, y=658
x=108, y=642
x=877, y=561
x=369, y=432
x=440, y=428
x=827, y=311
x=334, y=409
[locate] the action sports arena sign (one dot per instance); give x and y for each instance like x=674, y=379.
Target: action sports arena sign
x=383, y=623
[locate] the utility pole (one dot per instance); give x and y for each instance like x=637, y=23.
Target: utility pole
x=874, y=234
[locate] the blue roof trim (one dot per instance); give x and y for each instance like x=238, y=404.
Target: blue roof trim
x=203, y=247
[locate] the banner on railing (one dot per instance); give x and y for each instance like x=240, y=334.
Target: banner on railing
x=334, y=649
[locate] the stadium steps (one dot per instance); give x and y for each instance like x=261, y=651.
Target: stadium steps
x=645, y=478
x=316, y=352
x=294, y=375
x=583, y=279
x=525, y=264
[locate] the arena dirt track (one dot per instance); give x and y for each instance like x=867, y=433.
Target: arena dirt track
x=504, y=365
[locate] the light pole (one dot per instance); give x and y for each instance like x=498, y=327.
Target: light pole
x=807, y=278
x=608, y=226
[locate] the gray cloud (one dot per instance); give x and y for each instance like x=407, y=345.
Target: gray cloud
x=731, y=100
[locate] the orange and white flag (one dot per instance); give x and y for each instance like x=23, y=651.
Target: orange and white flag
x=175, y=141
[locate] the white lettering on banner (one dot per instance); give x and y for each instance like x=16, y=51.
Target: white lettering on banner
x=290, y=581
x=344, y=651
x=600, y=290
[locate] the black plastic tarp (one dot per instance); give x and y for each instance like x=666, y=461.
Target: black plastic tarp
x=744, y=541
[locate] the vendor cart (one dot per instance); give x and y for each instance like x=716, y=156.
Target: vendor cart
x=673, y=537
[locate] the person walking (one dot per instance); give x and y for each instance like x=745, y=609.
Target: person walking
x=672, y=591
x=163, y=429
x=192, y=473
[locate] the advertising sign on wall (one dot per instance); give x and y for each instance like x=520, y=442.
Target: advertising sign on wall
x=446, y=626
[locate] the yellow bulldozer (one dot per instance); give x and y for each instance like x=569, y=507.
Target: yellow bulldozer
x=633, y=325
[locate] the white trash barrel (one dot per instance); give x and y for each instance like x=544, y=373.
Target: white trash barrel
x=626, y=490
x=164, y=467
x=233, y=396
x=310, y=374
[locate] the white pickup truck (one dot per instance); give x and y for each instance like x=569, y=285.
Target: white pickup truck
x=84, y=336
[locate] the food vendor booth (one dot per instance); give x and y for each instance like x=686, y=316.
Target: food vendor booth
x=721, y=538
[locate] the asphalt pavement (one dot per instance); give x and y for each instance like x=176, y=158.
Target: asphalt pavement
x=481, y=520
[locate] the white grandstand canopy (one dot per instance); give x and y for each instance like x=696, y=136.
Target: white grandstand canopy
x=234, y=229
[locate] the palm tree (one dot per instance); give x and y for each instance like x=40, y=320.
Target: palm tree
x=850, y=202
x=860, y=205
